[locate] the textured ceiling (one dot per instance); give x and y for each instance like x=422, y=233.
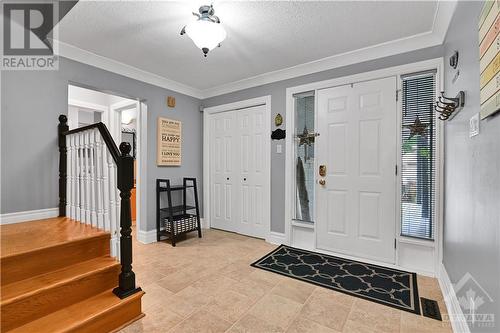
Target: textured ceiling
x=261, y=36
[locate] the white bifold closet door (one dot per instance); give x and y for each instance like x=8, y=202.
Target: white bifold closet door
x=239, y=177
x=356, y=207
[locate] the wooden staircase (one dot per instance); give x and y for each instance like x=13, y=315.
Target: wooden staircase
x=57, y=276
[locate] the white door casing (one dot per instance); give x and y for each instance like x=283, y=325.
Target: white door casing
x=356, y=208
x=142, y=148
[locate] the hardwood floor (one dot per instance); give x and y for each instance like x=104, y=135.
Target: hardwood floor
x=18, y=238
x=57, y=276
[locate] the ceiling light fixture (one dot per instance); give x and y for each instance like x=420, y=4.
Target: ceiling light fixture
x=206, y=32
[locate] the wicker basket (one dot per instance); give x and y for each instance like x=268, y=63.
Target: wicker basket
x=182, y=223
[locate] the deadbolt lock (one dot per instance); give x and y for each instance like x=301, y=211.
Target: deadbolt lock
x=322, y=182
x=322, y=170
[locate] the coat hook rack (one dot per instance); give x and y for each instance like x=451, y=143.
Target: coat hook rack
x=448, y=107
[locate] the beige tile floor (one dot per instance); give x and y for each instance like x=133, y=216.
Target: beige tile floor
x=207, y=285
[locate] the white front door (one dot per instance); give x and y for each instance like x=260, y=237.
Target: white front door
x=239, y=171
x=356, y=206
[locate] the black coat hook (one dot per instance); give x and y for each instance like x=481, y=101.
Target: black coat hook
x=448, y=107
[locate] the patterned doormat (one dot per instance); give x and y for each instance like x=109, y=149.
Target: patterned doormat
x=383, y=285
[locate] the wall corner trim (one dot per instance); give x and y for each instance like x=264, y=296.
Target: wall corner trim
x=146, y=237
x=30, y=215
x=457, y=318
x=277, y=238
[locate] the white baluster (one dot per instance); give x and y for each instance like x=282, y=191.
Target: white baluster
x=100, y=180
x=82, y=179
x=72, y=179
x=79, y=188
x=93, y=212
x=87, y=176
x=69, y=198
x=118, y=206
x=112, y=201
x=105, y=187
x=118, y=203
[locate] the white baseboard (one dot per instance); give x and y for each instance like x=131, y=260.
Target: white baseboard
x=277, y=238
x=29, y=215
x=146, y=237
x=456, y=316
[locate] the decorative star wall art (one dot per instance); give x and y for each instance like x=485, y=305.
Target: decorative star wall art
x=417, y=128
x=307, y=137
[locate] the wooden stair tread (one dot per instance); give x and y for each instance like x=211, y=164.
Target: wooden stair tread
x=57, y=276
x=26, y=288
x=75, y=317
x=19, y=238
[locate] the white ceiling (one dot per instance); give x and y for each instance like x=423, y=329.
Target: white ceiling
x=262, y=37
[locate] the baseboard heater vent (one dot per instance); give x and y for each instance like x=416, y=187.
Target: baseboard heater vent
x=430, y=308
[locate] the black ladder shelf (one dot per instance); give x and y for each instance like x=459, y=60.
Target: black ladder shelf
x=172, y=221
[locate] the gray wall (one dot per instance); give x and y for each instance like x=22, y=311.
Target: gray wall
x=277, y=90
x=31, y=103
x=472, y=171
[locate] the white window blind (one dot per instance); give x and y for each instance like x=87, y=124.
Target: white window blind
x=304, y=157
x=418, y=156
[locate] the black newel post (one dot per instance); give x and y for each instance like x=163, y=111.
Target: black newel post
x=126, y=280
x=62, y=128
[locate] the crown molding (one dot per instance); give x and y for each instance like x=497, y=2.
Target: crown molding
x=349, y=58
x=442, y=19
x=74, y=53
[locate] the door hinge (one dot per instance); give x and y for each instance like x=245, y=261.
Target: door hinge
x=397, y=95
x=394, y=243
x=396, y=169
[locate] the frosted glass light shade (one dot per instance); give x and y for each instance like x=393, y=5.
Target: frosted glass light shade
x=206, y=34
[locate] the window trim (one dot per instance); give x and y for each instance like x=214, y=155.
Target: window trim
x=436, y=242
x=295, y=221
x=437, y=157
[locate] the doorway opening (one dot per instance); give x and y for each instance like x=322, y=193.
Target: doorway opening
x=125, y=119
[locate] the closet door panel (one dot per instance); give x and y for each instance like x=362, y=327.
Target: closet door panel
x=222, y=146
x=238, y=171
x=252, y=176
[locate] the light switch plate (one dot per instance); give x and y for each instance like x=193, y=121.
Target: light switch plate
x=474, y=125
x=278, y=149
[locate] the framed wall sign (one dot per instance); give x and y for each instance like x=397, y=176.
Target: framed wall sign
x=169, y=142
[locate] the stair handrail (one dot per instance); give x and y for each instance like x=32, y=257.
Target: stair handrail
x=106, y=136
x=125, y=183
